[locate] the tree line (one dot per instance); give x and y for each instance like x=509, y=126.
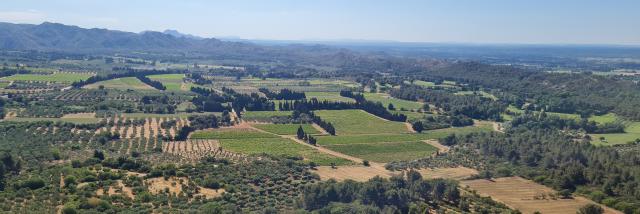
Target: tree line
x=210, y=101
x=153, y=83
x=5, y=71
x=284, y=94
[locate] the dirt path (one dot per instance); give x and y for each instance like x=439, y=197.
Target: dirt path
x=497, y=127
x=374, y=165
x=320, y=129
x=410, y=127
x=435, y=143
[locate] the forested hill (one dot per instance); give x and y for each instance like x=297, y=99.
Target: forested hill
x=582, y=93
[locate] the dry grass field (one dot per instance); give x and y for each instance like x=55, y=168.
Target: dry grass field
x=457, y=173
x=356, y=173
x=363, y=173
x=525, y=195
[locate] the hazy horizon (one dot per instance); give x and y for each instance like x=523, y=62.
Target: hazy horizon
x=462, y=22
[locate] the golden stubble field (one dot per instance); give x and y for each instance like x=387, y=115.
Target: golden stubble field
x=524, y=195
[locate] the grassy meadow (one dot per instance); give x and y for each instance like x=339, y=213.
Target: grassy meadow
x=385, y=99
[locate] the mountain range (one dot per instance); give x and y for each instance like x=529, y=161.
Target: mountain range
x=60, y=37
x=66, y=38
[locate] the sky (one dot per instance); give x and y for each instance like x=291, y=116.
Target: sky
x=458, y=21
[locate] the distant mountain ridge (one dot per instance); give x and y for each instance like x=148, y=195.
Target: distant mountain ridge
x=66, y=38
x=177, y=34
x=54, y=36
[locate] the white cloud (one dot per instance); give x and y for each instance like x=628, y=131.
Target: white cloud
x=29, y=16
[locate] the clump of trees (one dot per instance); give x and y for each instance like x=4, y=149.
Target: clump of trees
x=470, y=106
x=284, y=94
x=210, y=101
x=198, y=79
x=398, y=194
x=197, y=122
x=300, y=134
x=542, y=120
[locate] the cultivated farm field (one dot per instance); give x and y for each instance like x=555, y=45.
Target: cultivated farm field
x=632, y=132
x=377, y=138
x=231, y=133
x=173, y=82
x=263, y=115
x=55, y=77
x=360, y=122
x=328, y=96
x=286, y=129
x=121, y=83
x=280, y=147
x=386, y=152
x=527, y=196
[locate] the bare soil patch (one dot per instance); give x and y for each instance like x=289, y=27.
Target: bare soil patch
x=159, y=185
x=210, y=193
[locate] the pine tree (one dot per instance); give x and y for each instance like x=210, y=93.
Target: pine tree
x=418, y=127
x=300, y=133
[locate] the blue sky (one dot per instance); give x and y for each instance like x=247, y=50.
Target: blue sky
x=465, y=21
